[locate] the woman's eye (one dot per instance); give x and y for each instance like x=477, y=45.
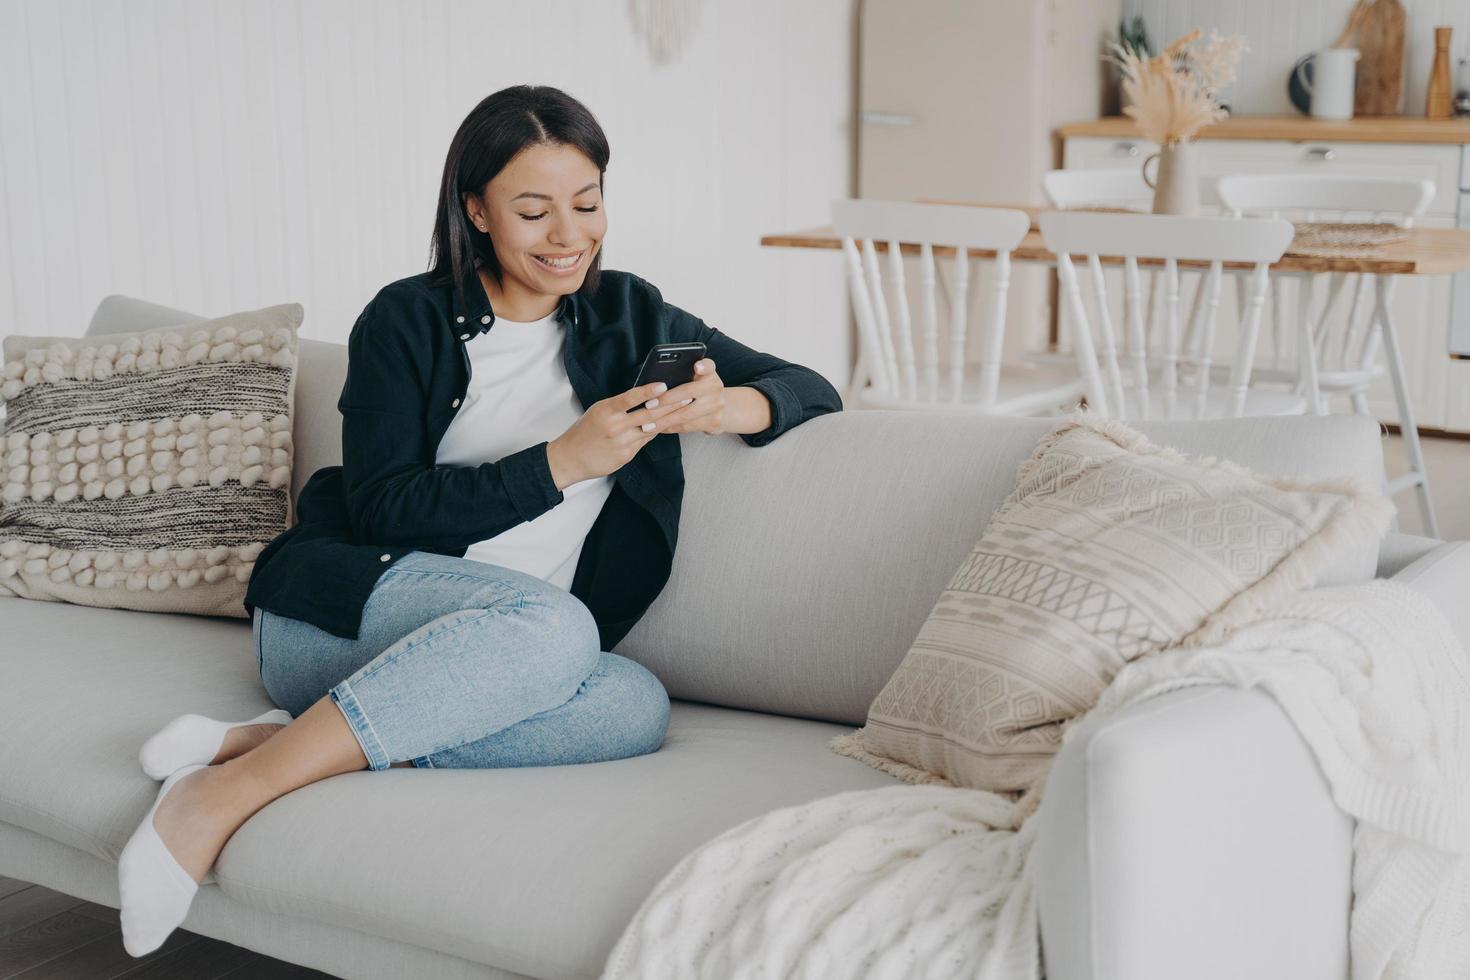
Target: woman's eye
x=538, y=217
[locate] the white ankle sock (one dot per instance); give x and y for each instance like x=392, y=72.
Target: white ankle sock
x=191, y=740
x=156, y=891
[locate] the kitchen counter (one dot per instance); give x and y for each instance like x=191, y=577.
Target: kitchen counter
x=1298, y=129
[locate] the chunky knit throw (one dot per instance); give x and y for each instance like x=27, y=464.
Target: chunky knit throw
x=932, y=881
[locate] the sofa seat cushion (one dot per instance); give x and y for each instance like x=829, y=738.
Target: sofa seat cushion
x=532, y=870
x=82, y=687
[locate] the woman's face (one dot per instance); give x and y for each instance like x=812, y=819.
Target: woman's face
x=544, y=214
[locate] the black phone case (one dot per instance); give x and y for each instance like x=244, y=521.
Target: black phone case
x=673, y=364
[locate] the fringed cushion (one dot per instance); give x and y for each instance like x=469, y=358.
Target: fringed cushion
x=1108, y=549
x=147, y=470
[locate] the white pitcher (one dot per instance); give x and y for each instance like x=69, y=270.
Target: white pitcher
x=1334, y=78
x=1176, y=191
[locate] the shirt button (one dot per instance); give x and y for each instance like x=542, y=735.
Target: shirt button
x=464, y=336
x=384, y=557
x=454, y=404
x=485, y=318
x=459, y=319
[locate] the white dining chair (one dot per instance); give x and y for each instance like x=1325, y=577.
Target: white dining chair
x=1123, y=188
x=1153, y=377
x=1068, y=189
x=899, y=352
x=1340, y=347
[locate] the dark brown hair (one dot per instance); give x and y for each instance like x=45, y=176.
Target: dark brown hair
x=497, y=129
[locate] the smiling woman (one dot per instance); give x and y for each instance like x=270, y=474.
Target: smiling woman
x=488, y=413
x=506, y=510
x=527, y=168
x=539, y=239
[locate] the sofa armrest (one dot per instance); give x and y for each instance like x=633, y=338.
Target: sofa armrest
x=1192, y=835
x=1398, y=551
x=1443, y=573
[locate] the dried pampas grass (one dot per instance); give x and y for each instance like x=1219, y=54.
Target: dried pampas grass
x=1174, y=95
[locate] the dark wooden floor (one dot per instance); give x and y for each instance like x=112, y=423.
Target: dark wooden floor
x=45, y=935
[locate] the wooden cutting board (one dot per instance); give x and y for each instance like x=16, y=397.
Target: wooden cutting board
x=1380, y=33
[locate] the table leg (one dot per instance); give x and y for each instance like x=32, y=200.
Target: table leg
x=1382, y=291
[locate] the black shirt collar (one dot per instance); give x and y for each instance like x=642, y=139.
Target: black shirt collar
x=473, y=314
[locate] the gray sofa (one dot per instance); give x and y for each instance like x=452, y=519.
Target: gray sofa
x=1192, y=836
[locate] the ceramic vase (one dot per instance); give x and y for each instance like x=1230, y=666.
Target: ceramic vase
x=1176, y=186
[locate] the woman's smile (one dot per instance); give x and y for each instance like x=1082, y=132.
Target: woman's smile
x=560, y=263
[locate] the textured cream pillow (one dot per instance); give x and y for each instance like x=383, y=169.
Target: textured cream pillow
x=1109, y=548
x=147, y=470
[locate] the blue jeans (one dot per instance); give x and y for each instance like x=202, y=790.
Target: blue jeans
x=461, y=664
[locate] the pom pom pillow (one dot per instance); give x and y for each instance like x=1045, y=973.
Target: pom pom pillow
x=147, y=470
x=1108, y=549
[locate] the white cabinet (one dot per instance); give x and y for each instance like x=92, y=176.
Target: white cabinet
x=1439, y=386
x=1100, y=153
x=1439, y=164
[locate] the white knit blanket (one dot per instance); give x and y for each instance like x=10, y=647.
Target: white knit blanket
x=933, y=881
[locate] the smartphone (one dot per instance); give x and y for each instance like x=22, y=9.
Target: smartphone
x=673, y=364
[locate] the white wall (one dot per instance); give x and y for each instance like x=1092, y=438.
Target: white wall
x=222, y=156
x=1281, y=31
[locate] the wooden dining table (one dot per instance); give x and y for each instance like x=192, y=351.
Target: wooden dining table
x=1420, y=252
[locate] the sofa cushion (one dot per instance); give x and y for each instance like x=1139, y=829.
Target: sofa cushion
x=121, y=314
x=321, y=369
x=1109, y=549
x=534, y=870
x=318, y=430
x=146, y=469
x=805, y=568
x=83, y=688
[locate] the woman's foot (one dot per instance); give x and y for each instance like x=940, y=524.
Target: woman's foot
x=168, y=857
x=242, y=738
x=200, y=811
x=199, y=807
x=196, y=819
x=197, y=740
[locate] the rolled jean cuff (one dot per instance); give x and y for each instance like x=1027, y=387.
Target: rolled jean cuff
x=362, y=730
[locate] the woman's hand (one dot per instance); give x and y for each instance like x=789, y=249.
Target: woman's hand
x=608, y=435
x=716, y=408
x=706, y=413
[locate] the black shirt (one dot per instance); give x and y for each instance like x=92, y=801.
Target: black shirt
x=407, y=372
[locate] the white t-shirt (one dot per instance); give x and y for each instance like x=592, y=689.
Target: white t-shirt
x=519, y=395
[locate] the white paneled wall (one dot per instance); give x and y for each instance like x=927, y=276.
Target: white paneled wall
x=222, y=155
x=1281, y=31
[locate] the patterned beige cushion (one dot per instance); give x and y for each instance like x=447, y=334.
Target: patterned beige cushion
x=1108, y=549
x=147, y=470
